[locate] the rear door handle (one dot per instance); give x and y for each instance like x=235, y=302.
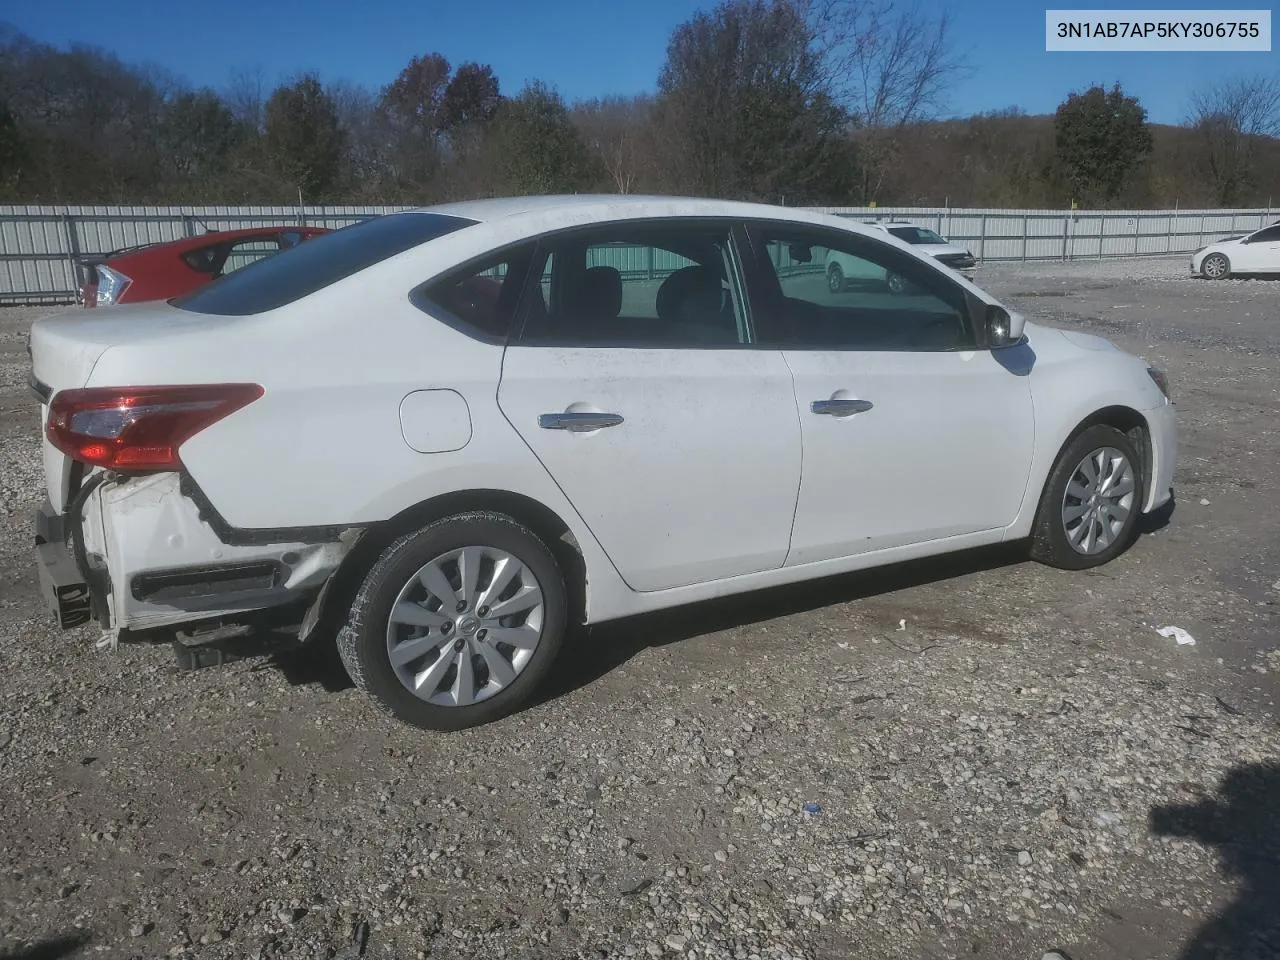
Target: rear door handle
x=578, y=422
x=841, y=407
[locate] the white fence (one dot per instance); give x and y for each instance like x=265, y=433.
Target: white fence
x=41, y=246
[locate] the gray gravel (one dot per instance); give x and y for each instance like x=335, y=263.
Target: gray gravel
x=784, y=775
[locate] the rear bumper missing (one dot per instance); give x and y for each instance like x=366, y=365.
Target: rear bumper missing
x=136, y=554
x=62, y=584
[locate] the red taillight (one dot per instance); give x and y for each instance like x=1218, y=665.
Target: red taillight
x=137, y=429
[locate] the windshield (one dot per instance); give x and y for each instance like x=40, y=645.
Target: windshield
x=302, y=270
x=916, y=235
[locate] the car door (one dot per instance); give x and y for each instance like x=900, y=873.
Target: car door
x=634, y=380
x=911, y=433
x=1258, y=253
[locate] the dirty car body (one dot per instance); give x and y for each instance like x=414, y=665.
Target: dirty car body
x=495, y=418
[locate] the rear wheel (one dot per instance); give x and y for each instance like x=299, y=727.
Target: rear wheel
x=457, y=623
x=1089, y=510
x=1216, y=267
x=897, y=283
x=835, y=278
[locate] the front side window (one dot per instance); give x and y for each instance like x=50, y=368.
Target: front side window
x=672, y=285
x=311, y=266
x=837, y=290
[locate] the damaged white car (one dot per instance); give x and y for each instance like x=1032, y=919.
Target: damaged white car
x=458, y=431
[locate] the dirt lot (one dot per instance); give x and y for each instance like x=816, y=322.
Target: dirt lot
x=1026, y=766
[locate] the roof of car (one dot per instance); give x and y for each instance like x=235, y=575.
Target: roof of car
x=587, y=207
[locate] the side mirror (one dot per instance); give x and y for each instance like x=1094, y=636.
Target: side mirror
x=1004, y=329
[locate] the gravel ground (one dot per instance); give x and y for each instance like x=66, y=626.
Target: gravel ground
x=972, y=756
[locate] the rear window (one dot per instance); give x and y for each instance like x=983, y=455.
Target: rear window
x=275, y=281
x=916, y=235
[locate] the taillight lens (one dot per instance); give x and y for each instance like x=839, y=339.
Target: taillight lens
x=139, y=429
x=111, y=285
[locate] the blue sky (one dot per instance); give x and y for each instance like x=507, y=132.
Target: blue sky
x=583, y=47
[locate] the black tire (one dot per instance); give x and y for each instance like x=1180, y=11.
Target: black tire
x=1222, y=270
x=897, y=284
x=362, y=642
x=1050, y=543
x=835, y=278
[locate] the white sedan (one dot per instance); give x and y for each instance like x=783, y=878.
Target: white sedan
x=456, y=432
x=1255, y=254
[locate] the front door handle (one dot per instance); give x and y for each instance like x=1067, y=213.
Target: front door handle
x=578, y=422
x=841, y=407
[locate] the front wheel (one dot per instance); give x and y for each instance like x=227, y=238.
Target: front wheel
x=897, y=284
x=457, y=623
x=1216, y=267
x=1089, y=510
x=835, y=278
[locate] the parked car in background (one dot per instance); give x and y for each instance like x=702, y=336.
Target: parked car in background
x=842, y=272
x=461, y=430
x=158, y=271
x=1254, y=254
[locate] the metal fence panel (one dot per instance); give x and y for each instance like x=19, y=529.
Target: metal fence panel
x=41, y=245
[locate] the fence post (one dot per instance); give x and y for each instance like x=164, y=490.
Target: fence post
x=1026, y=228
x=649, y=262
x=73, y=250
x=1200, y=238
x=188, y=225
x=1102, y=232
x=1066, y=226
x=1137, y=229
x=982, y=239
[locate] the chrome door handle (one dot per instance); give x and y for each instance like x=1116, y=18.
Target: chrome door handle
x=578, y=422
x=841, y=408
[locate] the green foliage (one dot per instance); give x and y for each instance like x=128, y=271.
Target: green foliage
x=537, y=146
x=303, y=139
x=1101, y=137
x=743, y=102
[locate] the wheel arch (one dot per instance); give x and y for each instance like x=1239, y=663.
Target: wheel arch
x=1123, y=418
x=545, y=523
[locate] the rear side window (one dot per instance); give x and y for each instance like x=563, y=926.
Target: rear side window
x=295, y=273
x=481, y=298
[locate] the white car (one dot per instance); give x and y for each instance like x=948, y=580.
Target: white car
x=844, y=271
x=1255, y=254
x=461, y=430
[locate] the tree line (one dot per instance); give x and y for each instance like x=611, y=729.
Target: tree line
x=785, y=101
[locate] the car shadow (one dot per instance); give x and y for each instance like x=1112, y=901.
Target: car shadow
x=53, y=948
x=1243, y=823
x=593, y=652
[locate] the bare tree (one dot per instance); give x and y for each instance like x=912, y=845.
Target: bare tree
x=618, y=130
x=246, y=96
x=889, y=65
x=1232, y=121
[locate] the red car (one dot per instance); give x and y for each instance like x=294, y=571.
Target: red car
x=159, y=271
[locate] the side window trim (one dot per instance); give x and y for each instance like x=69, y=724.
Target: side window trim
x=737, y=266
x=770, y=287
